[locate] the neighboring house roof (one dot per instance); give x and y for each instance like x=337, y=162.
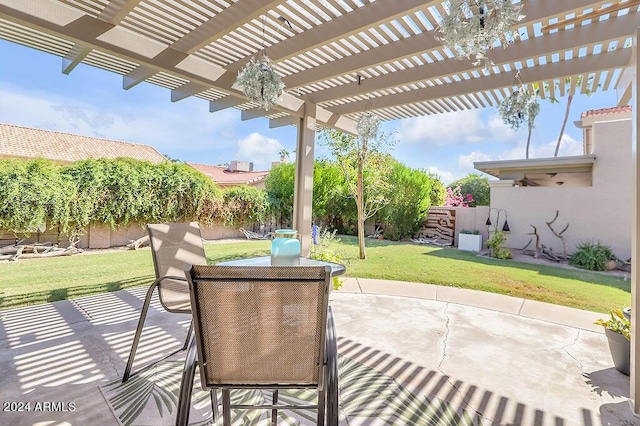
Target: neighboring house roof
x=223, y=177
x=27, y=142
x=604, y=111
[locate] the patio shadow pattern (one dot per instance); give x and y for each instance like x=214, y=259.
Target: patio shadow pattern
x=403, y=360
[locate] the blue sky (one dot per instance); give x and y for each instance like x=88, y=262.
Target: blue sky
x=91, y=101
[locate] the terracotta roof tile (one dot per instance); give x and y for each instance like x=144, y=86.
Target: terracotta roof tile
x=26, y=142
x=222, y=176
x=605, y=111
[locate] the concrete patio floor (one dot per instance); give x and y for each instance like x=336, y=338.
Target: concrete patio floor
x=506, y=361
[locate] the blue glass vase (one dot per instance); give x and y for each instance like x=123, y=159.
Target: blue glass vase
x=285, y=248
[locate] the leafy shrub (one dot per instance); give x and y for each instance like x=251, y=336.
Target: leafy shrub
x=243, y=205
x=409, y=201
x=593, y=257
x=477, y=186
x=495, y=242
x=470, y=232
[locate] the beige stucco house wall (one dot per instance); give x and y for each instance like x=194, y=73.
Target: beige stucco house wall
x=599, y=212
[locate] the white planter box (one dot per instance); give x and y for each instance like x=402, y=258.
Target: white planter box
x=470, y=242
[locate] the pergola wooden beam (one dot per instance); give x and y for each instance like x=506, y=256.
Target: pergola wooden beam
x=561, y=70
x=596, y=33
x=419, y=44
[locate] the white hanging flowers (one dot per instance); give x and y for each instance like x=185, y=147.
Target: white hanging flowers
x=260, y=82
x=474, y=26
x=519, y=107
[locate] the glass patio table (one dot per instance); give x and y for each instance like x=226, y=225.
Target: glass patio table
x=336, y=268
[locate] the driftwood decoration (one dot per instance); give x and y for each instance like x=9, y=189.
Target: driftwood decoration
x=33, y=251
x=536, y=252
x=540, y=249
x=140, y=242
x=559, y=235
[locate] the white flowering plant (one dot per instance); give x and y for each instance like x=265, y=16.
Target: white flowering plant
x=367, y=125
x=519, y=107
x=260, y=82
x=472, y=27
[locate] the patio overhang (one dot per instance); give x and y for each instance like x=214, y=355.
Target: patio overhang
x=556, y=171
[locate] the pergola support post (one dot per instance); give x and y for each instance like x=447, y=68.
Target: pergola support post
x=303, y=187
x=634, y=66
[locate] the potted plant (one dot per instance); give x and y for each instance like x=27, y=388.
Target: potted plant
x=469, y=240
x=618, y=332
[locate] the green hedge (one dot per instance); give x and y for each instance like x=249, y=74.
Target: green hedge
x=116, y=192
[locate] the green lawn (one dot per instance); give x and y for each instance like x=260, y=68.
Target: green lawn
x=43, y=280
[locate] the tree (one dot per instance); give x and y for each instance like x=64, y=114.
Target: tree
x=409, y=201
x=518, y=107
x=475, y=185
x=279, y=186
x=365, y=167
x=284, y=155
x=438, y=191
x=553, y=99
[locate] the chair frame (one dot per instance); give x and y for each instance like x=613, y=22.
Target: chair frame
x=145, y=308
x=327, y=375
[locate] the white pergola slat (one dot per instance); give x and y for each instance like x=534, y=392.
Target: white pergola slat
x=336, y=57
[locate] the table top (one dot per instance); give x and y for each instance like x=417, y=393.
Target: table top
x=336, y=268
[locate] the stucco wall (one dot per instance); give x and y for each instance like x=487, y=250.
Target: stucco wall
x=602, y=212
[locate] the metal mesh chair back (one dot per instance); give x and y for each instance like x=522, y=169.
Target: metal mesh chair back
x=174, y=246
x=260, y=326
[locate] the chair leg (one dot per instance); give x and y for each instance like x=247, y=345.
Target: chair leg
x=226, y=407
x=136, y=338
x=322, y=402
x=274, y=412
x=186, y=386
x=214, y=405
x=332, y=372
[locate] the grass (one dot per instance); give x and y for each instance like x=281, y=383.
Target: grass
x=33, y=281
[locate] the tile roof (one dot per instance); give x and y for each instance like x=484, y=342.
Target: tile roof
x=605, y=111
x=27, y=142
x=224, y=177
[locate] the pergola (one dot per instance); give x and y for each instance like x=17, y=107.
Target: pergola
x=339, y=58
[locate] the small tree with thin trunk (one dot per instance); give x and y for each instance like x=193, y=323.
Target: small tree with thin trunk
x=520, y=107
x=365, y=166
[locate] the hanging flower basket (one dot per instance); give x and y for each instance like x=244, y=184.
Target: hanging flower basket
x=260, y=82
x=367, y=125
x=519, y=107
x=474, y=26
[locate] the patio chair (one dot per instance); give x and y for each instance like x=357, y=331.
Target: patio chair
x=173, y=246
x=266, y=327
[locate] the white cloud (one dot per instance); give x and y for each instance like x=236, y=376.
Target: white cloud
x=259, y=149
x=465, y=162
x=445, y=176
x=454, y=128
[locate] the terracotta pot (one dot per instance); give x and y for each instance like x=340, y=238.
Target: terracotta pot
x=620, y=349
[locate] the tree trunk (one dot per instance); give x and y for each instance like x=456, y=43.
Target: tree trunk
x=564, y=123
x=360, y=206
x=528, y=142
